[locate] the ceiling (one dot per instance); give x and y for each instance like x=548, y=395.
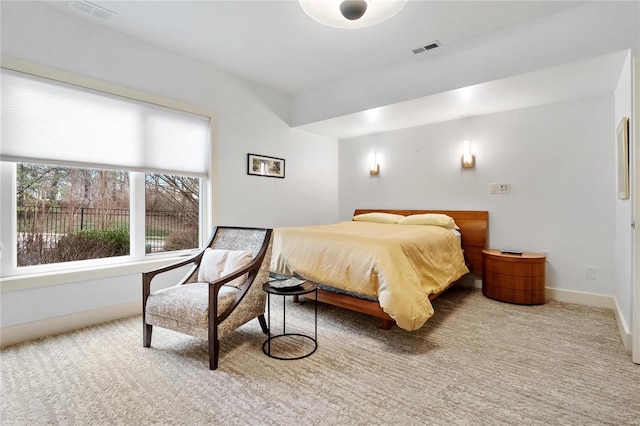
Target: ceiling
x=276, y=44
x=588, y=77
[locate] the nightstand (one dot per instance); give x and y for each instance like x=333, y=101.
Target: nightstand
x=514, y=278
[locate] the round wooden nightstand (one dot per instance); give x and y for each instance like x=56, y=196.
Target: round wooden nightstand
x=514, y=278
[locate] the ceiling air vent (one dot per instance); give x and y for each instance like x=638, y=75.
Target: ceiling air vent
x=91, y=9
x=429, y=46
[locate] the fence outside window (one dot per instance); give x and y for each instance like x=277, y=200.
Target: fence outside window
x=165, y=230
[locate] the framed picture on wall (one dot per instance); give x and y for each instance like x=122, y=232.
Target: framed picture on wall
x=261, y=165
x=622, y=140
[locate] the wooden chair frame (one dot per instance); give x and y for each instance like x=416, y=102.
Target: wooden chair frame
x=215, y=318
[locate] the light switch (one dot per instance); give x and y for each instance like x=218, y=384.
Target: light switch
x=499, y=188
x=504, y=188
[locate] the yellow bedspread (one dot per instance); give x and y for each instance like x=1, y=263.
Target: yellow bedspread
x=400, y=265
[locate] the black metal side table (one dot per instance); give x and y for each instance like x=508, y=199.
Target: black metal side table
x=304, y=288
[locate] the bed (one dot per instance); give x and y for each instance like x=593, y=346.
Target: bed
x=366, y=267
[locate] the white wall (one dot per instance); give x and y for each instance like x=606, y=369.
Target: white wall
x=559, y=159
x=624, y=210
x=251, y=119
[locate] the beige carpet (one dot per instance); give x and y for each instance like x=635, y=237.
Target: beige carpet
x=477, y=361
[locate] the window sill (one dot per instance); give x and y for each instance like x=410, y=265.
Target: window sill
x=44, y=279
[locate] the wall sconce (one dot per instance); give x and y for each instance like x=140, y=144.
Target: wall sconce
x=468, y=159
x=374, y=167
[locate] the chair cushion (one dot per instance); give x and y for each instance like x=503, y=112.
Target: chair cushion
x=217, y=263
x=188, y=303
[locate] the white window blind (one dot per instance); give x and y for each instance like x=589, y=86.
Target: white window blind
x=45, y=121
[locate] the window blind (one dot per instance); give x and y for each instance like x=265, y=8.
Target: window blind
x=49, y=122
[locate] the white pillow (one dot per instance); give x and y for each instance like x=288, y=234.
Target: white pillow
x=219, y=263
x=435, y=219
x=378, y=217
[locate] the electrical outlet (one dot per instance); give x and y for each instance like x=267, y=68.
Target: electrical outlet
x=493, y=188
x=590, y=273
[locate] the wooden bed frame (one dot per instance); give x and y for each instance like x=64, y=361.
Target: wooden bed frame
x=474, y=229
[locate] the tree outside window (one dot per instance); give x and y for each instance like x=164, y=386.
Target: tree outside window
x=66, y=214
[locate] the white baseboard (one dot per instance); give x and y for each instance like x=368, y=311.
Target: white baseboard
x=51, y=326
x=623, y=328
x=580, y=298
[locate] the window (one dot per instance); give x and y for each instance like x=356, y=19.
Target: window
x=65, y=214
x=95, y=175
x=172, y=212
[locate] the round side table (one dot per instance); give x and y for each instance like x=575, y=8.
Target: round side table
x=304, y=288
x=514, y=278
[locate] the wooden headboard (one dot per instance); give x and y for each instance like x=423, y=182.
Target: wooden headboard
x=473, y=226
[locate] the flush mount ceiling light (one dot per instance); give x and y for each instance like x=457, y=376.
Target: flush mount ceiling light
x=351, y=14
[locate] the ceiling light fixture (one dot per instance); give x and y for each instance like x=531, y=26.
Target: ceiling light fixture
x=351, y=14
